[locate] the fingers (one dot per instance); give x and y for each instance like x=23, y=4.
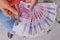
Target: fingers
x=8, y=7
x=12, y=10
x=5, y=5
x=6, y=13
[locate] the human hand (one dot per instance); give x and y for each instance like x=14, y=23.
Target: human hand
x=5, y=7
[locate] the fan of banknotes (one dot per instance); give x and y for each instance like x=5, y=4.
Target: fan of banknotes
x=36, y=22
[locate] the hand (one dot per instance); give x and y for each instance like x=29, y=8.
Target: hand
x=30, y=9
x=4, y=6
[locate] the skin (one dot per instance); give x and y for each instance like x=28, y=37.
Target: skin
x=4, y=7
x=33, y=2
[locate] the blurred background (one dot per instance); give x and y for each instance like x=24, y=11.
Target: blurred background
x=53, y=35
